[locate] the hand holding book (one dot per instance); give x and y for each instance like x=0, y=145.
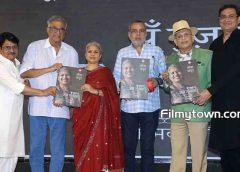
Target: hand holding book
x=92, y=90
x=68, y=85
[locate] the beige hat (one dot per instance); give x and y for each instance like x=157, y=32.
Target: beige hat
x=179, y=25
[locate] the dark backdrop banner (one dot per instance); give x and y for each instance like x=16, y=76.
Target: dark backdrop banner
x=107, y=21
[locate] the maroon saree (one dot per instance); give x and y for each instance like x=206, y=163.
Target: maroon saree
x=96, y=127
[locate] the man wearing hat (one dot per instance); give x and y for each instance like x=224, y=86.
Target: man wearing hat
x=183, y=37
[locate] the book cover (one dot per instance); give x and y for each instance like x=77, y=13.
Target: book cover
x=134, y=75
x=69, y=82
x=183, y=81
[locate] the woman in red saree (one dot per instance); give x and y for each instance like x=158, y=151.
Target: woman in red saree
x=96, y=124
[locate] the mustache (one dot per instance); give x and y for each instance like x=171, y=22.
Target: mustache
x=12, y=53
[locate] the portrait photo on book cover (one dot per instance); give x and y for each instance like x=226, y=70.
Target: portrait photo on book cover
x=69, y=82
x=134, y=74
x=183, y=81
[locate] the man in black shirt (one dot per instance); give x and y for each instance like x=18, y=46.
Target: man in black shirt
x=224, y=91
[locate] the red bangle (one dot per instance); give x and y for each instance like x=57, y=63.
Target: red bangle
x=150, y=85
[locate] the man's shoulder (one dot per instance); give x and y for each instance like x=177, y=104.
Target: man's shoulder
x=172, y=58
x=238, y=32
x=173, y=54
x=42, y=43
x=1, y=63
x=127, y=48
x=153, y=47
x=217, y=41
x=147, y=46
x=67, y=46
x=38, y=43
x=204, y=51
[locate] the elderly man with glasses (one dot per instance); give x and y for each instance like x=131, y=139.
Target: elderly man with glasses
x=138, y=113
x=40, y=64
x=185, y=128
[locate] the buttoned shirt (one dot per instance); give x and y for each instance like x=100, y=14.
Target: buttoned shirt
x=11, y=108
x=41, y=54
x=157, y=66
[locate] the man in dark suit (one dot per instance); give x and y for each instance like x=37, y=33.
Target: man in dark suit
x=225, y=131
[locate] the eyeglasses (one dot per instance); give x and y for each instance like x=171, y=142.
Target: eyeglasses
x=9, y=48
x=230, y=17
x=56, y=30
x=138, y=31
x=180, y=36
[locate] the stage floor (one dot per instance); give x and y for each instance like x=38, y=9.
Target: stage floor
x=23, y=166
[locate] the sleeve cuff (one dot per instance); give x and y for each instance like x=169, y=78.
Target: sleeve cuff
x=211, y=90
x=19, y=88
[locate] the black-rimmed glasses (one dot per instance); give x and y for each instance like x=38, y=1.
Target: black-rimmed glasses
x=56, y=30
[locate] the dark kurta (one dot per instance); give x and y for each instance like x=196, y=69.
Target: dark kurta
x=225, y=133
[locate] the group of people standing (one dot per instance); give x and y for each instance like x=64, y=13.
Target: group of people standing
x=105, y=137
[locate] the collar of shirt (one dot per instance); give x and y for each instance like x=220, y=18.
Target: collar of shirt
x=185, y=57
x=9, y=62
x=54, y=54
x=47, y=45
x=143, y=47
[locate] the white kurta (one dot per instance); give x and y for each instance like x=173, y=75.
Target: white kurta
x=11, y=108
x=41, y=54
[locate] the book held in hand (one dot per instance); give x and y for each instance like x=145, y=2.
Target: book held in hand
x=69, y=82
x=134, y=75
x=183, y=81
